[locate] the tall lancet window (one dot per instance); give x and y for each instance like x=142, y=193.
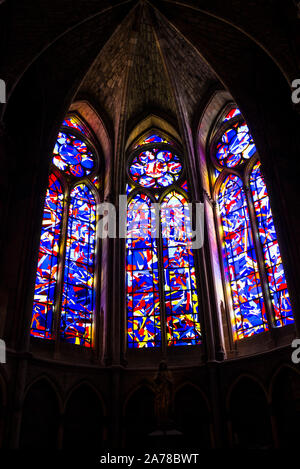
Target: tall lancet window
x=64, y=299
x=162, y=302
x=255, y=281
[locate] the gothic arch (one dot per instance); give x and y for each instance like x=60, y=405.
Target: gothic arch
x=138, y=417
x=161, y=273
x=193, y=416
x=236, y=382
x=151, y=122
x=249, y=416
x=96, y=122
x=84, y=417
x=285, y=395
x=40, y=415
x=259, y=298
x=197, y=388
x=92, y=387
x=50, y=380
x=142, y=385
x=285, y=367
x=69, y=259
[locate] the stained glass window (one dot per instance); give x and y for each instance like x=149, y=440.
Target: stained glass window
x=232, y=113
x=72, y=155
x=46, y=276
x=73, y=122
x=68, y=247
x=268, y=238
x=248, y=232
x=78, y=293
x=153, y=138
x=142, y=275
x=235, y=145
x=240, y=261
x=182, y=317
x=162, y=303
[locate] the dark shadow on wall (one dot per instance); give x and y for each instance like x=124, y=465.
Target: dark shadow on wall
x=40, y=418
x=286, y=408
x=250, y=416
x=83, y=420
x=139, y=419
x=192, y=418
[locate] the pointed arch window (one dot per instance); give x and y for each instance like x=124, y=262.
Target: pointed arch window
x=64, y=299
x=162, y=302
x=272, y=259
x=253, y=271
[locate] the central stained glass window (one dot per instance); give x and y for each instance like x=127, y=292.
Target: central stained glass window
x=162, y=301
x=64, y=300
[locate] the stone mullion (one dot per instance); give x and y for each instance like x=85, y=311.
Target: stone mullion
x=61, y=269
x=102, y=313
x=161, y=280
x=217, y=326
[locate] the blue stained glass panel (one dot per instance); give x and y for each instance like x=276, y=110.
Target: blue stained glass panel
x=273, y=262
x=153, y=138
x=78, y=300
x=235, y=145
x=74, y=123
x=155, y=168
x=142, y=283
x=182, y=316
x=46, y=277
x=72, y=155
x=231, y=114
x=241, y=269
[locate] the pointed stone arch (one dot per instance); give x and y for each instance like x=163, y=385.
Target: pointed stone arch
x=84, y=417
x=249, y=414
x=138, y=416
x=152, y=121
x=40, y=415
x=193, y=416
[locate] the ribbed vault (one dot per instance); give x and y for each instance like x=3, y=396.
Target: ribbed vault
x=141, y=55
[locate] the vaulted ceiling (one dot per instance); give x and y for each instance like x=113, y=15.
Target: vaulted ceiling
x=134, y=57
x=142, y=68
